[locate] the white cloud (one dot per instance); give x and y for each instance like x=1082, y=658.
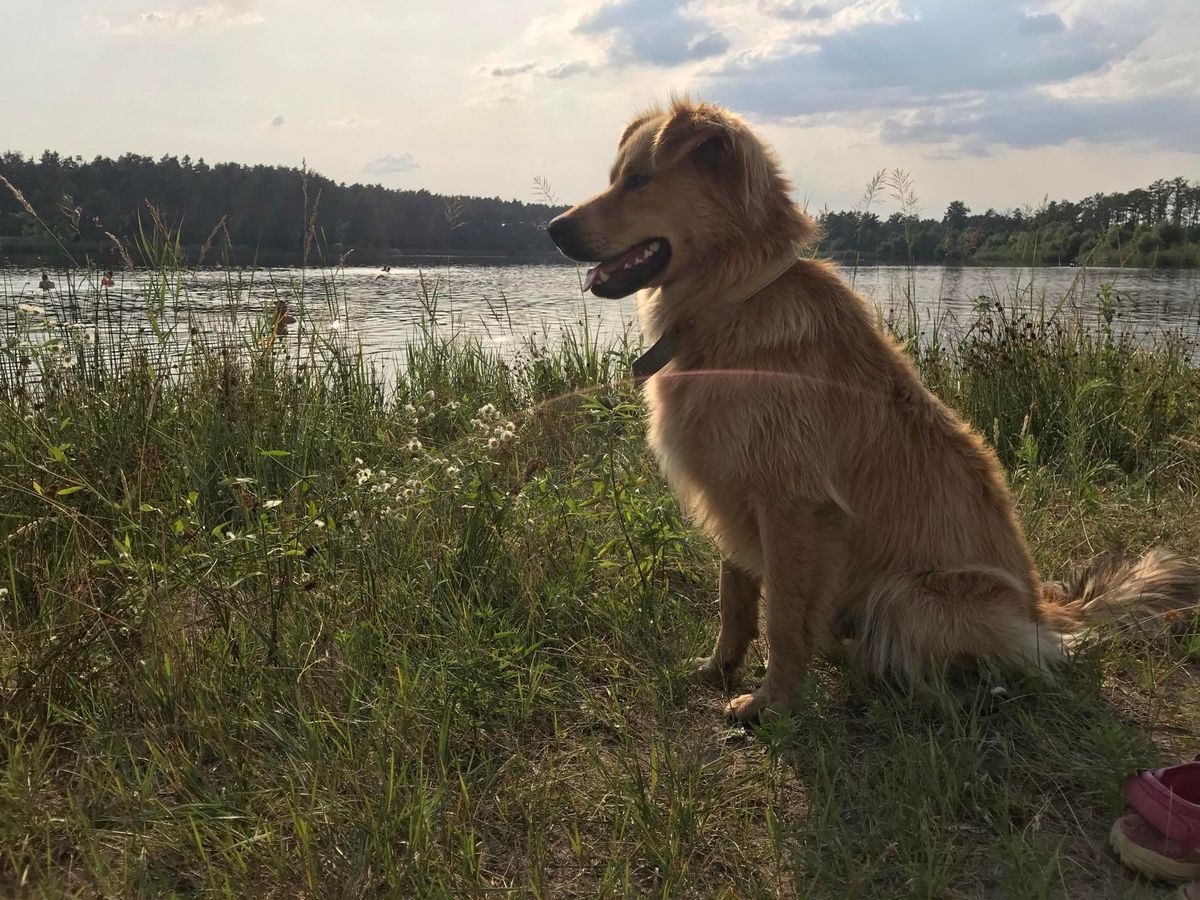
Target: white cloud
x=218, y=15
x=391, y=165
x=652, y=32
x=966, y=77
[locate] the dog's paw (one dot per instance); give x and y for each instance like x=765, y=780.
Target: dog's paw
x=747, y=708
x=706, y=669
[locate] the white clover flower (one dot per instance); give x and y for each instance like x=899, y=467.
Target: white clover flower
x=363, y=476
x=452, y=470
x=414, y=446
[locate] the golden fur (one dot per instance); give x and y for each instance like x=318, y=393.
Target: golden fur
x=835, y=485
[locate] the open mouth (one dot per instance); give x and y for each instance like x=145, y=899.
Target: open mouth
x=630, y=270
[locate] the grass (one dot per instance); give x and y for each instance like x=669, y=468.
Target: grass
x=272, y=624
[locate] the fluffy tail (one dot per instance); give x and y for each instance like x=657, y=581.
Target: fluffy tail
x=1145, y=594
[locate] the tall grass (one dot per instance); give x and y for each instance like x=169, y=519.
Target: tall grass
x=273, y=623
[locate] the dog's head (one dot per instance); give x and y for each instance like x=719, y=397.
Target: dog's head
x=689, y=183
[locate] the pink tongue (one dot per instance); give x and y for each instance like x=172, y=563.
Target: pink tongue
x=591, y=278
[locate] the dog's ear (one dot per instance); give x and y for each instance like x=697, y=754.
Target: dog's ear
x=688, y=129
x=634, y=126
x=736, y=158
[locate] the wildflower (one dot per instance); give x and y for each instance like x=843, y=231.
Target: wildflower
x=509, y=426
x=3, y=592
x=30, y=309
x=357, y=461
x=453, y=405
x=409, y=408
x=271, y=504
x=506, y=436
x=363, y=476
x=487, y=411
x=429, y=395
x=452, y=470
x=407, y=492
x=492, y=443
x=86, y=332
x=414, y=446
x=335, y=325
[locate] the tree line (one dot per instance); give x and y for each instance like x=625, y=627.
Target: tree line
x=263, y=212
x=270, y=213
x=1158, y=225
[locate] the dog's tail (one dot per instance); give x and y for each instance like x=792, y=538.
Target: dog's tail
x=1146, y=594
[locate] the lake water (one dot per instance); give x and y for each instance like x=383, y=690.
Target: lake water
x=506, y=305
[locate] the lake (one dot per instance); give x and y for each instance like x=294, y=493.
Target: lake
x=506, y=305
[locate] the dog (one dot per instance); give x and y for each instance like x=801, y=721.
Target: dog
x=859, y=508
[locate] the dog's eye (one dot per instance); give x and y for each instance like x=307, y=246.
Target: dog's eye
x=634, y=182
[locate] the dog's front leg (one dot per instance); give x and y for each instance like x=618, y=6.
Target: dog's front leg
x=803, y=556
x=739, y=625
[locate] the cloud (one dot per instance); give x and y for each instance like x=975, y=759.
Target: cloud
x=652, y=32
x=391, y=165
x=1041, y=23
x=968, y=76
x=217, y=15
x=1027, y=119
x=509, y=71
x=795, y=9
x=567, y=69
x=352, y=122
x=276, y=121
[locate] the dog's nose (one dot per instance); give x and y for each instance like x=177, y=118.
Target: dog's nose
x=559, y=229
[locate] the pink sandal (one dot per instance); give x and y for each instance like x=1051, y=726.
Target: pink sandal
x=1161, y=838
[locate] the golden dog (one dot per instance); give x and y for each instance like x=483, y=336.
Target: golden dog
x=837, y=488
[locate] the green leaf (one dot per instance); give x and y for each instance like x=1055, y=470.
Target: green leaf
x=67, y=491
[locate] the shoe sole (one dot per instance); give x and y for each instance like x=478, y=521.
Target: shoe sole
x=1147, y=862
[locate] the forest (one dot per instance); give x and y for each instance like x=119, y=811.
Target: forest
x=262, y=214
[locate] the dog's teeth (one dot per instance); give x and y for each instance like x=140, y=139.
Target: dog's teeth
x=654, y=247
x=627, y=265
x=602, y=277
x=647, y=255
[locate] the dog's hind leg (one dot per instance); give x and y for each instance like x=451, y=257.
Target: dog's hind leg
x=804, y=551
x=911, y=625
x=739, y=624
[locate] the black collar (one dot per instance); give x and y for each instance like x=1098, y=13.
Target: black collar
x=665, y=348
x=660, y=353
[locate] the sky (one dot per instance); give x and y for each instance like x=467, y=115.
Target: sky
x=996, y=103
